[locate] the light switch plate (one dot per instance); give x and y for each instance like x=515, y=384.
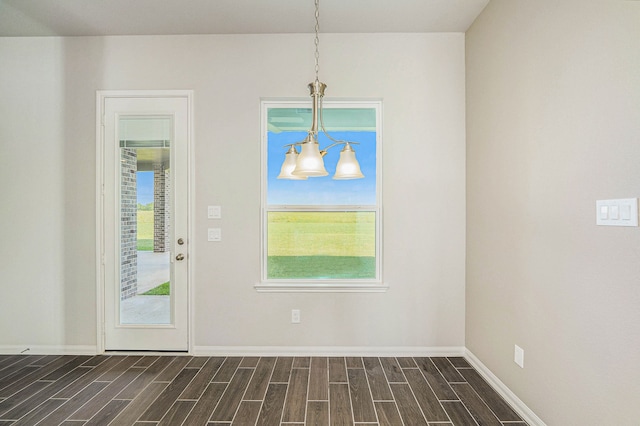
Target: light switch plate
x=214, y=234
x=620, y=212
x=214, y=212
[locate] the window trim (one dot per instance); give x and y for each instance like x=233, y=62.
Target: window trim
x=320, y=285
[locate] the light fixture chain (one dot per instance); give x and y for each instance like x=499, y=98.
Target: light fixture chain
x=317, y=39
x=309, y=162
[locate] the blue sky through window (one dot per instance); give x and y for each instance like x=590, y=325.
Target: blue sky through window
x=322, y=190
x=145, y=187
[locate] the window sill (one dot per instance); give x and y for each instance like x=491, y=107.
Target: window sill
x=300, y=287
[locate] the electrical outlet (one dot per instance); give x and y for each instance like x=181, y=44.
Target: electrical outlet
x=518, y=356
x=295, y=316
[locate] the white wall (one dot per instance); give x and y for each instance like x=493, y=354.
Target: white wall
x=28, y=125
x=48, y=216
x=553, y=124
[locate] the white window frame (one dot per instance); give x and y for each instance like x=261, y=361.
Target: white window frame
x=321, y=285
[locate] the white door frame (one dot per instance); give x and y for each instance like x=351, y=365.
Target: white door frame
x=101, y=96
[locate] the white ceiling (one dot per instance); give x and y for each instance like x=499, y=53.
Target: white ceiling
x=157, y=17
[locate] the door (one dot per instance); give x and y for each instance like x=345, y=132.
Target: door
x=145, y=211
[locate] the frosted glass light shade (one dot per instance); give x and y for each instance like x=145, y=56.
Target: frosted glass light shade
x=310, y=161
x=289, y=164
x=348, y=167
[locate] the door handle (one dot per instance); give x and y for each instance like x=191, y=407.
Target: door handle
x=180, y=256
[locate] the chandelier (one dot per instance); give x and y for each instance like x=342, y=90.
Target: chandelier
x=309, y=162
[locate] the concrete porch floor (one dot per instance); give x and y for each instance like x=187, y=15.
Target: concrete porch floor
x=153, y=270
x=146, y=310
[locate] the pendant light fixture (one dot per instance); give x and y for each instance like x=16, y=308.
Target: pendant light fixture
x=309, y=162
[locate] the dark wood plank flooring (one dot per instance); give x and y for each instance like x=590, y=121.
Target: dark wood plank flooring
x=271, y=391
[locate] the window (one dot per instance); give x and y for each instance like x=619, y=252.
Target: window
x=321, y=233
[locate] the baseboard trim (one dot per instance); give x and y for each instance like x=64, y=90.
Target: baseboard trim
x=327, y=351
x=398, y=351
x=48, y=350
x=516, y=403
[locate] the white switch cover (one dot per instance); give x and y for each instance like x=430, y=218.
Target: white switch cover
x=615, y=212
x=621, y=212
x=214, y=212
x=214, y=234
x=603, y=212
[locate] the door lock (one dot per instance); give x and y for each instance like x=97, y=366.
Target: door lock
x=180, y=256
x=180, y=241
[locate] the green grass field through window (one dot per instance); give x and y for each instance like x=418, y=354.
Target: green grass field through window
x=145, y=230
x=163, y=289
x=321, y=245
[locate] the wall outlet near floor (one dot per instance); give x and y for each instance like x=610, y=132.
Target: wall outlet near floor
x=295, y=316
x=518, y=356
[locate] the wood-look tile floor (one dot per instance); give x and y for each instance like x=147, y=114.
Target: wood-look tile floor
x=183, y=390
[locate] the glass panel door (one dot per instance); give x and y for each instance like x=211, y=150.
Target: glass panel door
x=145, y=210
x=145, y=220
